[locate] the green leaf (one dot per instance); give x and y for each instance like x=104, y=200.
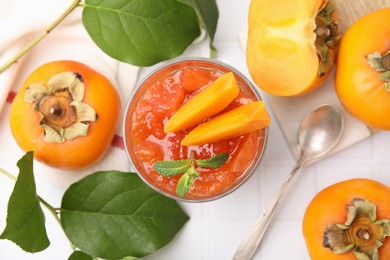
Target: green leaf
x=129, y=258
x=113, y=215
x=25, y=219
x=141, y=32
x=78, y=255
x=185, y=182
x=207, y=11
x=214, y=162
x=172, y=167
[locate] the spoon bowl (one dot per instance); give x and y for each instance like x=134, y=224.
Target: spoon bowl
x=318, y=134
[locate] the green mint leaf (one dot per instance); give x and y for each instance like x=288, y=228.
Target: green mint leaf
x=185, y=182
x=113, y=215
x=171, y=167
x=78, y=255
x=214, y=162
x=207, y=11
x=141, y=32
x=25, y=219
x=192, y=172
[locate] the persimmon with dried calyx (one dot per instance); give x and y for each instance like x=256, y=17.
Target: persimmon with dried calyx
x=349, y=220
x=66, y=113
x=362, y=79
x=291, y=44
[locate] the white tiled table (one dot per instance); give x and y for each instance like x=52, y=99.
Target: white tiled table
x=216, y=228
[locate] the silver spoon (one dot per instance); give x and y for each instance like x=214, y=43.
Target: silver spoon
x=318, y=133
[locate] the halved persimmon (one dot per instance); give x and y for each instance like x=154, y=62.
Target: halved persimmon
x=66, y=113
x=290, y=47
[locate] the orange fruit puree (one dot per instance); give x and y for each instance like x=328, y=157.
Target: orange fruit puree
x=150, y=144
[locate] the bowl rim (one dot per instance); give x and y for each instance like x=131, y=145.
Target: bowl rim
x=254, y=164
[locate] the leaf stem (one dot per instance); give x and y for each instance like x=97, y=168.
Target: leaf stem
x=36, y=40
x=51, y=209
x=8, y=174
x=55, y=212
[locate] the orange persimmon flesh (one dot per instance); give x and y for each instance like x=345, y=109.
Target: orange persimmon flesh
x=281, y=55
x=238, y=121
x=208, y=102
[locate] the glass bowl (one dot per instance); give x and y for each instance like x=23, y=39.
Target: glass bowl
x=144, y=147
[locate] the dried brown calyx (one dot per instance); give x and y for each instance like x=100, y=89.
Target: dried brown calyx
x=381, y=64
x=362, y=232
x=327, y=36
x=63, y=114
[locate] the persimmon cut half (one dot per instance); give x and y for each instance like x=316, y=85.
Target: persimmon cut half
x=210, y=101
x=290, y=48
x=236, y=122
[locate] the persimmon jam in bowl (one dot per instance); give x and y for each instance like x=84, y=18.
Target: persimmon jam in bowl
x=189, y=129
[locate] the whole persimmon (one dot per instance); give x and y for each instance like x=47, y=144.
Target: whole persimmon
x=291, y=44
x=362, y=79
x=349, y=220
x=66, y=113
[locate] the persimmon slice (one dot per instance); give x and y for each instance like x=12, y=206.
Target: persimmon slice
x=236, y=122
x=283, y=48
x=210, y=101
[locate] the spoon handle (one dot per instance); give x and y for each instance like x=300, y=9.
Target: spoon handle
x=249, y=245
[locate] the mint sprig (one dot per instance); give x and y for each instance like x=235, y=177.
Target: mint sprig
x=213, y=162
x=185, y=182
x=170, y=168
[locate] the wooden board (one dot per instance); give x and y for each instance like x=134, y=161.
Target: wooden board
x=350, y=10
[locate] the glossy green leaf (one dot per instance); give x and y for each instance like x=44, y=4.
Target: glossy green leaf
x=141, y=32
x=113, y=215
x=78, y=255
x=25, y=219
x=207, y=11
